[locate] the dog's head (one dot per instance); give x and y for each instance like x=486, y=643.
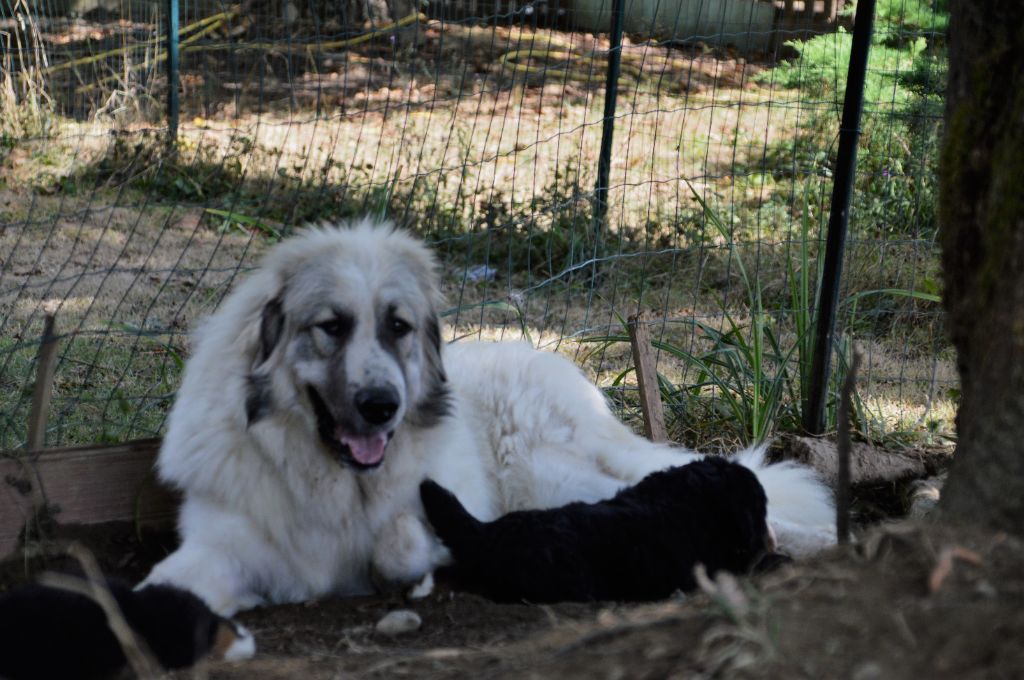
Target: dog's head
x=350, y=339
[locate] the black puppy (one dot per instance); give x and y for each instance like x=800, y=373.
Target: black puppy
x=641, y=544
x=49, y=632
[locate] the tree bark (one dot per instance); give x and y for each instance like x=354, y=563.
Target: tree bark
x=982, y=237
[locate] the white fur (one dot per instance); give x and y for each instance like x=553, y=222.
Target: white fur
x=269, y=517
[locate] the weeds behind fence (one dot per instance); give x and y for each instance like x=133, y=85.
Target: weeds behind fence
x=479, y=126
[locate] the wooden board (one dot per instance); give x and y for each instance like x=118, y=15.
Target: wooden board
x=647, y=379
x=88, y=485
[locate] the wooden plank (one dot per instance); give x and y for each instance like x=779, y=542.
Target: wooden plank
x=46, y=364
x=84, y=485
x=647, y=379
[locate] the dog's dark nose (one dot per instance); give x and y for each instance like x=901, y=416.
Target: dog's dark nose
x=377, y=404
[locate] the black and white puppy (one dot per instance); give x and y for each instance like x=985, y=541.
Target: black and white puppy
x=642, y=544
x=48, y=632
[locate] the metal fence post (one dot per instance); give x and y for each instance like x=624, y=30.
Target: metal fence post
x=172, y=72
x=842, y=189
x=611, y=95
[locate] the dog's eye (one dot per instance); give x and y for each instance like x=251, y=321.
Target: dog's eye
x=398, y=327
x=334, y=328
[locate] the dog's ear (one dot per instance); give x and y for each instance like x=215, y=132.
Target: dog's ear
x=433, y=336
x=436, y=400
x=258, y=401
x=271, y=328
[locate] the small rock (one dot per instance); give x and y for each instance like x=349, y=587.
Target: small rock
x=481, y=272
x=986, y=590
x=443, y=653
x=290, y=13
x=398, y=622
x=869, y=670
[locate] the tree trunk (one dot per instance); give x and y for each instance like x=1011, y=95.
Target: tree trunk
x=982, y=236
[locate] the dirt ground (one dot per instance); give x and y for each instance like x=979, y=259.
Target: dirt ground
x=908, y=601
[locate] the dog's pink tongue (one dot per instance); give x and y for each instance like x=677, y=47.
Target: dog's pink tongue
x=368, y=450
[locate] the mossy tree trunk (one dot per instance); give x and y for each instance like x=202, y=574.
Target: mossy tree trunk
x=982, y=235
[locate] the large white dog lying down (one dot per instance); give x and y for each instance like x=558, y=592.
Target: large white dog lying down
x=319, y=396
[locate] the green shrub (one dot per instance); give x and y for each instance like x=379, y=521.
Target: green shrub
x=896, y=185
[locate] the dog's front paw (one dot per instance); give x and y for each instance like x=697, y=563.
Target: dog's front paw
x=211, y=576
x=405, y=552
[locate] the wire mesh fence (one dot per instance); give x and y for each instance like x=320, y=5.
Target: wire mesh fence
x=479, y=125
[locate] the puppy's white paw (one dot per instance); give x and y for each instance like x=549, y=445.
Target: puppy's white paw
x=239, y=646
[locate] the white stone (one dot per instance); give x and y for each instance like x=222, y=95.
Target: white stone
x=398, y=622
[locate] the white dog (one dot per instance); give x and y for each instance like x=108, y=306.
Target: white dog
x=319, y=396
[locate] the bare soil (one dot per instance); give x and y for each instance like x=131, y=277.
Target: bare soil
x=909, y=601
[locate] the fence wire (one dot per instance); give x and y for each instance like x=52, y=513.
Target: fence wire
x=478, y=125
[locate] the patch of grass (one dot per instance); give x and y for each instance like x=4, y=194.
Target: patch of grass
x=233, y=220
x=107, y=388
x=752, y=377
x=896, y=178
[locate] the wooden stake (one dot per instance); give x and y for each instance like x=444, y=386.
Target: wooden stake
x=46, y=364
x=843, y=445
x=647, y=379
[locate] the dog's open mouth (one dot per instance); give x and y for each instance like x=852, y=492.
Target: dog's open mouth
x=361, y=451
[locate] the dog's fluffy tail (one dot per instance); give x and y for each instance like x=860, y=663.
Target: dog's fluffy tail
x=800, y=505
x=452, y=523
